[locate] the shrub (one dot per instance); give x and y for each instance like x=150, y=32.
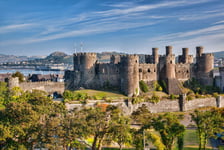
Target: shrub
x=215, y=94
x=19, y=75
x=157, y=86
x=163, y=85
x=154, y=99
x=136, y=100
x=143, y=86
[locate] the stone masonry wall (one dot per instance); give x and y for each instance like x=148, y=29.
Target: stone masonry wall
x=162, y=106
x=49, y=87
x=202, y=102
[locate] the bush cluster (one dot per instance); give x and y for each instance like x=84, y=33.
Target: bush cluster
x=143, y=86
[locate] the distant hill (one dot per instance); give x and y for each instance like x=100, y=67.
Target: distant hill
x=54, y=58
x=12, y=58
x=219, y=54
x=61, y=57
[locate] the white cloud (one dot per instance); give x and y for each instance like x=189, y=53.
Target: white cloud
x=15, y=27
x=219, y=22
x=211, y=38
x=140, y=8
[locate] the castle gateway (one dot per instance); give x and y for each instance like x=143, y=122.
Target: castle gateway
x=124, y=72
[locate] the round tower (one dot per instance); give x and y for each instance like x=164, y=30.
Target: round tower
x=169, y=50
x=13, y=82
x=170, y=63
x=170, y=71
x=185, y=55
x=76, y=61
x=208, y=62
x=155, y=55
x=130, y=74
x=199, y=51
x=85, y=63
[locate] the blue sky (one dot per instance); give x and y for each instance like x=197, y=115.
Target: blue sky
x=39, y=27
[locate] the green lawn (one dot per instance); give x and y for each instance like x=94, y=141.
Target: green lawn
x=111, y=95
x=190, y=138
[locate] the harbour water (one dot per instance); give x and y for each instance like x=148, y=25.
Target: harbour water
x=26, y=72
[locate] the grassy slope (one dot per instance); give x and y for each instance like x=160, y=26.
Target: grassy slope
x=101, y=94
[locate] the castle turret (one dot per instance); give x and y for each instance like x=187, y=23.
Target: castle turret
x=185, y=55
x=169, y=50
x=130, y=75
x=84, y=66
x=170, y=63
x=204, y=66
x=155, y=55
x=13, y=82
x=199, y=51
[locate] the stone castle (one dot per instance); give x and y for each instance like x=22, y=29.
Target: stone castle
x=124, y=72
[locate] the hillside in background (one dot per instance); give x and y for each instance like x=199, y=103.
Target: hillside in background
x=12, y=58
x=219, y=54
x=61, y=57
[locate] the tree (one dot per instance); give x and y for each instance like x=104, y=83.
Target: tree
x=99, y=123
x=208, y=123
x=120, y=130
x=74, y=130
x=21, y=120
x=142, y=115
x=4, y=92
x=169, y=127
x=19, y=75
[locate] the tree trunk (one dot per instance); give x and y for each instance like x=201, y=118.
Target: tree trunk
x=120, y=146
x=100, y=142
x=95, y=142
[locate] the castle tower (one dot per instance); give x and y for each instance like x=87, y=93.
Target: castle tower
x=130, y=75
x=13, y=82
x=84, y=66
x=204, y=66
x=170, y=63
x=155, y=55
x=199, y=51
x=221, y=71
x=185, y=55
x=169, y=50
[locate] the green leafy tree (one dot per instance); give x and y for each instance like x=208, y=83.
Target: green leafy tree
x=208, y=123
x=99, y=123
x=142, y=115
x=169, y=127
x=4, y=93
x=74, y=130
x=120, y=130
x=19, y=75
x=22, y=120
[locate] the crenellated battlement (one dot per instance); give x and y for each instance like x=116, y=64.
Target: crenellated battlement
x=85, y=54
x=207, y=55
x=129, y=56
